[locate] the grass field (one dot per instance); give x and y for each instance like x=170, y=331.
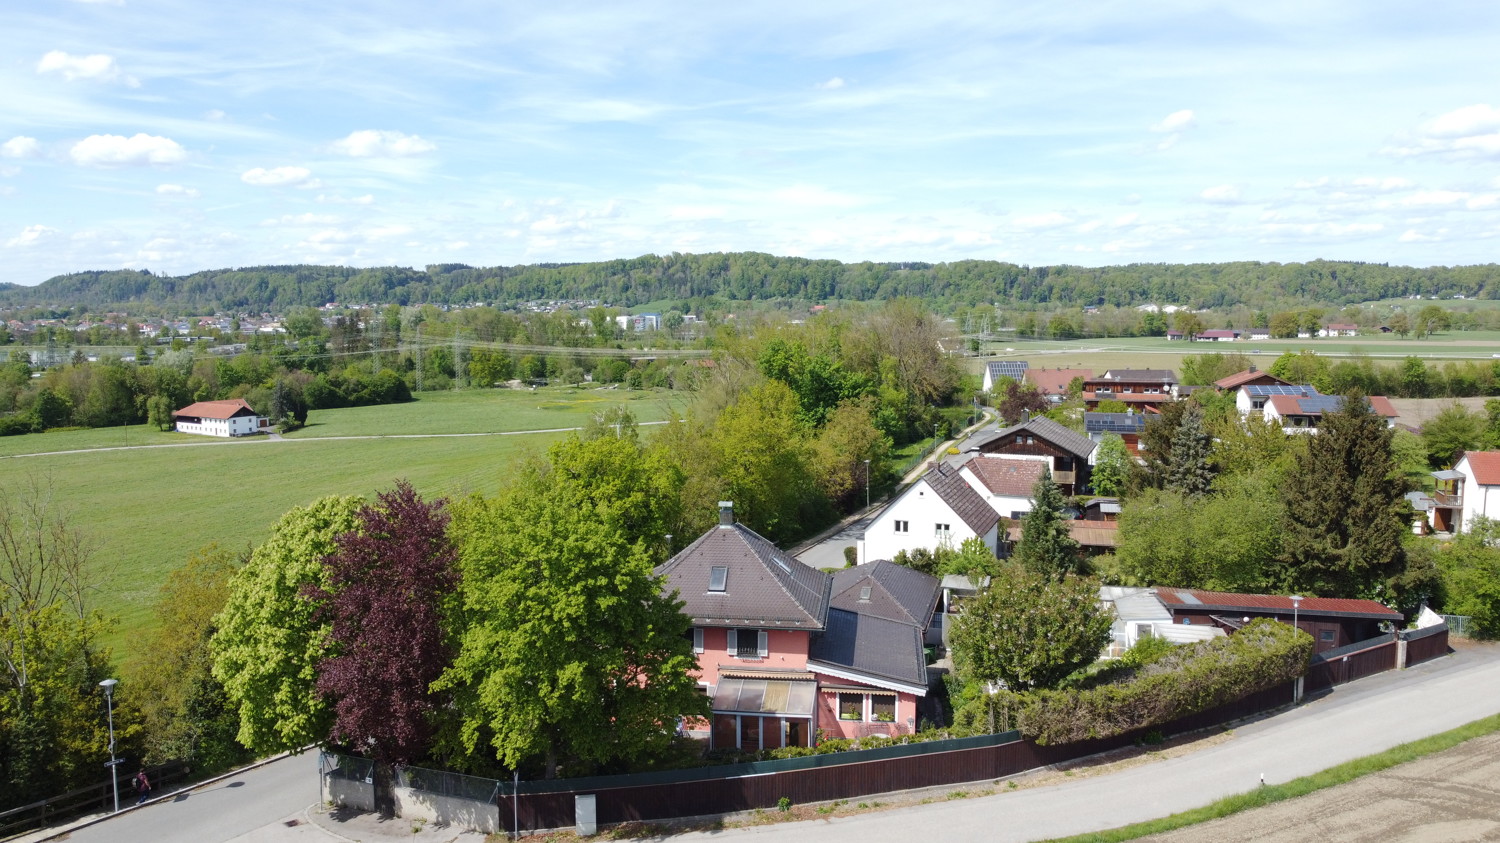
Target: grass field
x=148, y=509
x=1159, y=353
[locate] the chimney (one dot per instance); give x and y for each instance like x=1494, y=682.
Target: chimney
x=1253, y=369
x=726, y=513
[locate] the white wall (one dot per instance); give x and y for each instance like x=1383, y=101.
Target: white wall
x=922, y=509
x=1478, y=499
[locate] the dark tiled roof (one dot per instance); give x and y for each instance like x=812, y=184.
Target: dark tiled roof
x=764, y=588
x=944, y=480
x=870, y=645
x=1071, y=441
x=1185, y=598
x=1011, y=478
x=897, y=593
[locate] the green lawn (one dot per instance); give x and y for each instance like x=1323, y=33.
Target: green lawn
x=149, y=509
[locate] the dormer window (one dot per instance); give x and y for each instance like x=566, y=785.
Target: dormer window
x=718, y=578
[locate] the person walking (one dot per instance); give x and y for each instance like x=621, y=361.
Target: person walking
x=142, y=787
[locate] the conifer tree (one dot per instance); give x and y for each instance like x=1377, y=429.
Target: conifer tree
x=1188, y=468
x=1046, y=548
x=1346, y=512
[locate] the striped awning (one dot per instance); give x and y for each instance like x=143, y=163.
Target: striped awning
x=764, y=696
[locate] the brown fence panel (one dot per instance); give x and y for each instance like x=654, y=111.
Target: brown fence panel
x=847, y=781
x=1349, y=663
x=1427, y=648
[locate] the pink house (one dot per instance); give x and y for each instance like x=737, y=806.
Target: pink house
x=787, y=652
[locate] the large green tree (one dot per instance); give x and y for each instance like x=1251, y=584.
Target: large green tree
x=569, y=653
x=1470, y=570
x=270, y=639
x=1346, y=511
x=1030, y=631
x=1452, y=431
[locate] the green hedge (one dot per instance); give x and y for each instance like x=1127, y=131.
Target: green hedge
x=1186, y=681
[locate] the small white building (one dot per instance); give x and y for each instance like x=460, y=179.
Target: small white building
x=232, y=417
x=940, y=509
x=994, y=370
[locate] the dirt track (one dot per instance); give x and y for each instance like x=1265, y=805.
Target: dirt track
x=1446, y=797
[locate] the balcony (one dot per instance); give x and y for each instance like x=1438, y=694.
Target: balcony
x=1062, y=477
x=1448, y=499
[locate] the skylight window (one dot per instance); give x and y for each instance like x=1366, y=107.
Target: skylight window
x=718, y=578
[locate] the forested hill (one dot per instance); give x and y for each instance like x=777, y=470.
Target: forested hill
x=752, y=275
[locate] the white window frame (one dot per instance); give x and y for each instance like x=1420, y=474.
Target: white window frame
x=762, y=643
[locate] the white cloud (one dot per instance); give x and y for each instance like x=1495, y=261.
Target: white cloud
x=30, y=236
x=1430, y=198
x=1469, y=132
x=120, y=151
x=101, y=2
x=20, y=146
x=696, y=212
x=375, y=143
x=279, y=177
x=98, y=67
x=1177, y=121
x=831, y=85
x=1221, y=194
x=214, y=114
x=1174, y=125
x=176, y=190
x=1464, y=122
x=335, y=199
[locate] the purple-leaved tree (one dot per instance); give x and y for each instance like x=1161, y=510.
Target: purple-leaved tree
x=387, y=581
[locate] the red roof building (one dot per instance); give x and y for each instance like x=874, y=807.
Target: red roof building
x=1331, y=621
x=229, y=417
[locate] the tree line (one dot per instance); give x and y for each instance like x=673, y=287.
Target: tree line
x=753, y=276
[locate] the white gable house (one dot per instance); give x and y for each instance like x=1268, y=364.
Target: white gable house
x=940, y=509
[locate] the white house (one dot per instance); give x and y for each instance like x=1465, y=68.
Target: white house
x=231, y=417
x=1471, y=490
x=994, y=370
x=1005, y=484
x=939, y=509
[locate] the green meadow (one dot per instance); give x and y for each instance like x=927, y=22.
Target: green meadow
x=147, y=509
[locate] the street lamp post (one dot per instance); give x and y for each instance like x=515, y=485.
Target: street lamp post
x=867, y=484
x=1296, y=601
x=109, y=701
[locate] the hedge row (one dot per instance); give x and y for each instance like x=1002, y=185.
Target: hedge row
x=1191, y=679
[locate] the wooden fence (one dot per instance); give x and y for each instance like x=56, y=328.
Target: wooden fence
x=1426, y=644
x=93, y=799
x=1350, y=662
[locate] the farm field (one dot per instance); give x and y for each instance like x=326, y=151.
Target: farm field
x=1159, y=353
x=148, y=509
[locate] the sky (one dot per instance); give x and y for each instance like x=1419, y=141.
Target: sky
x=182, y=135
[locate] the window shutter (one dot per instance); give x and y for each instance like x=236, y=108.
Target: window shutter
x=732, y=635
x=763, y=643
x=697, y=639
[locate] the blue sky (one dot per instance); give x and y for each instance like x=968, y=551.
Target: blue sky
x=178, y=135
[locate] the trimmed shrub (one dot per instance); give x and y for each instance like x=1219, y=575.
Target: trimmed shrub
x=1185, y=681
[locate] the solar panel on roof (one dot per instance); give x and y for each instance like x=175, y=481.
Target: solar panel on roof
x=1008, y=368
x=1320, y=404
x=1301, y=391
x=1113, y=422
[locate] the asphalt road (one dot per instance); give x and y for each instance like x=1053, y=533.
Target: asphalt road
x=219, y=812
x=1365, y=717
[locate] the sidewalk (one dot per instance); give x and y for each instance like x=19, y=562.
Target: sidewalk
x=321, y=823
